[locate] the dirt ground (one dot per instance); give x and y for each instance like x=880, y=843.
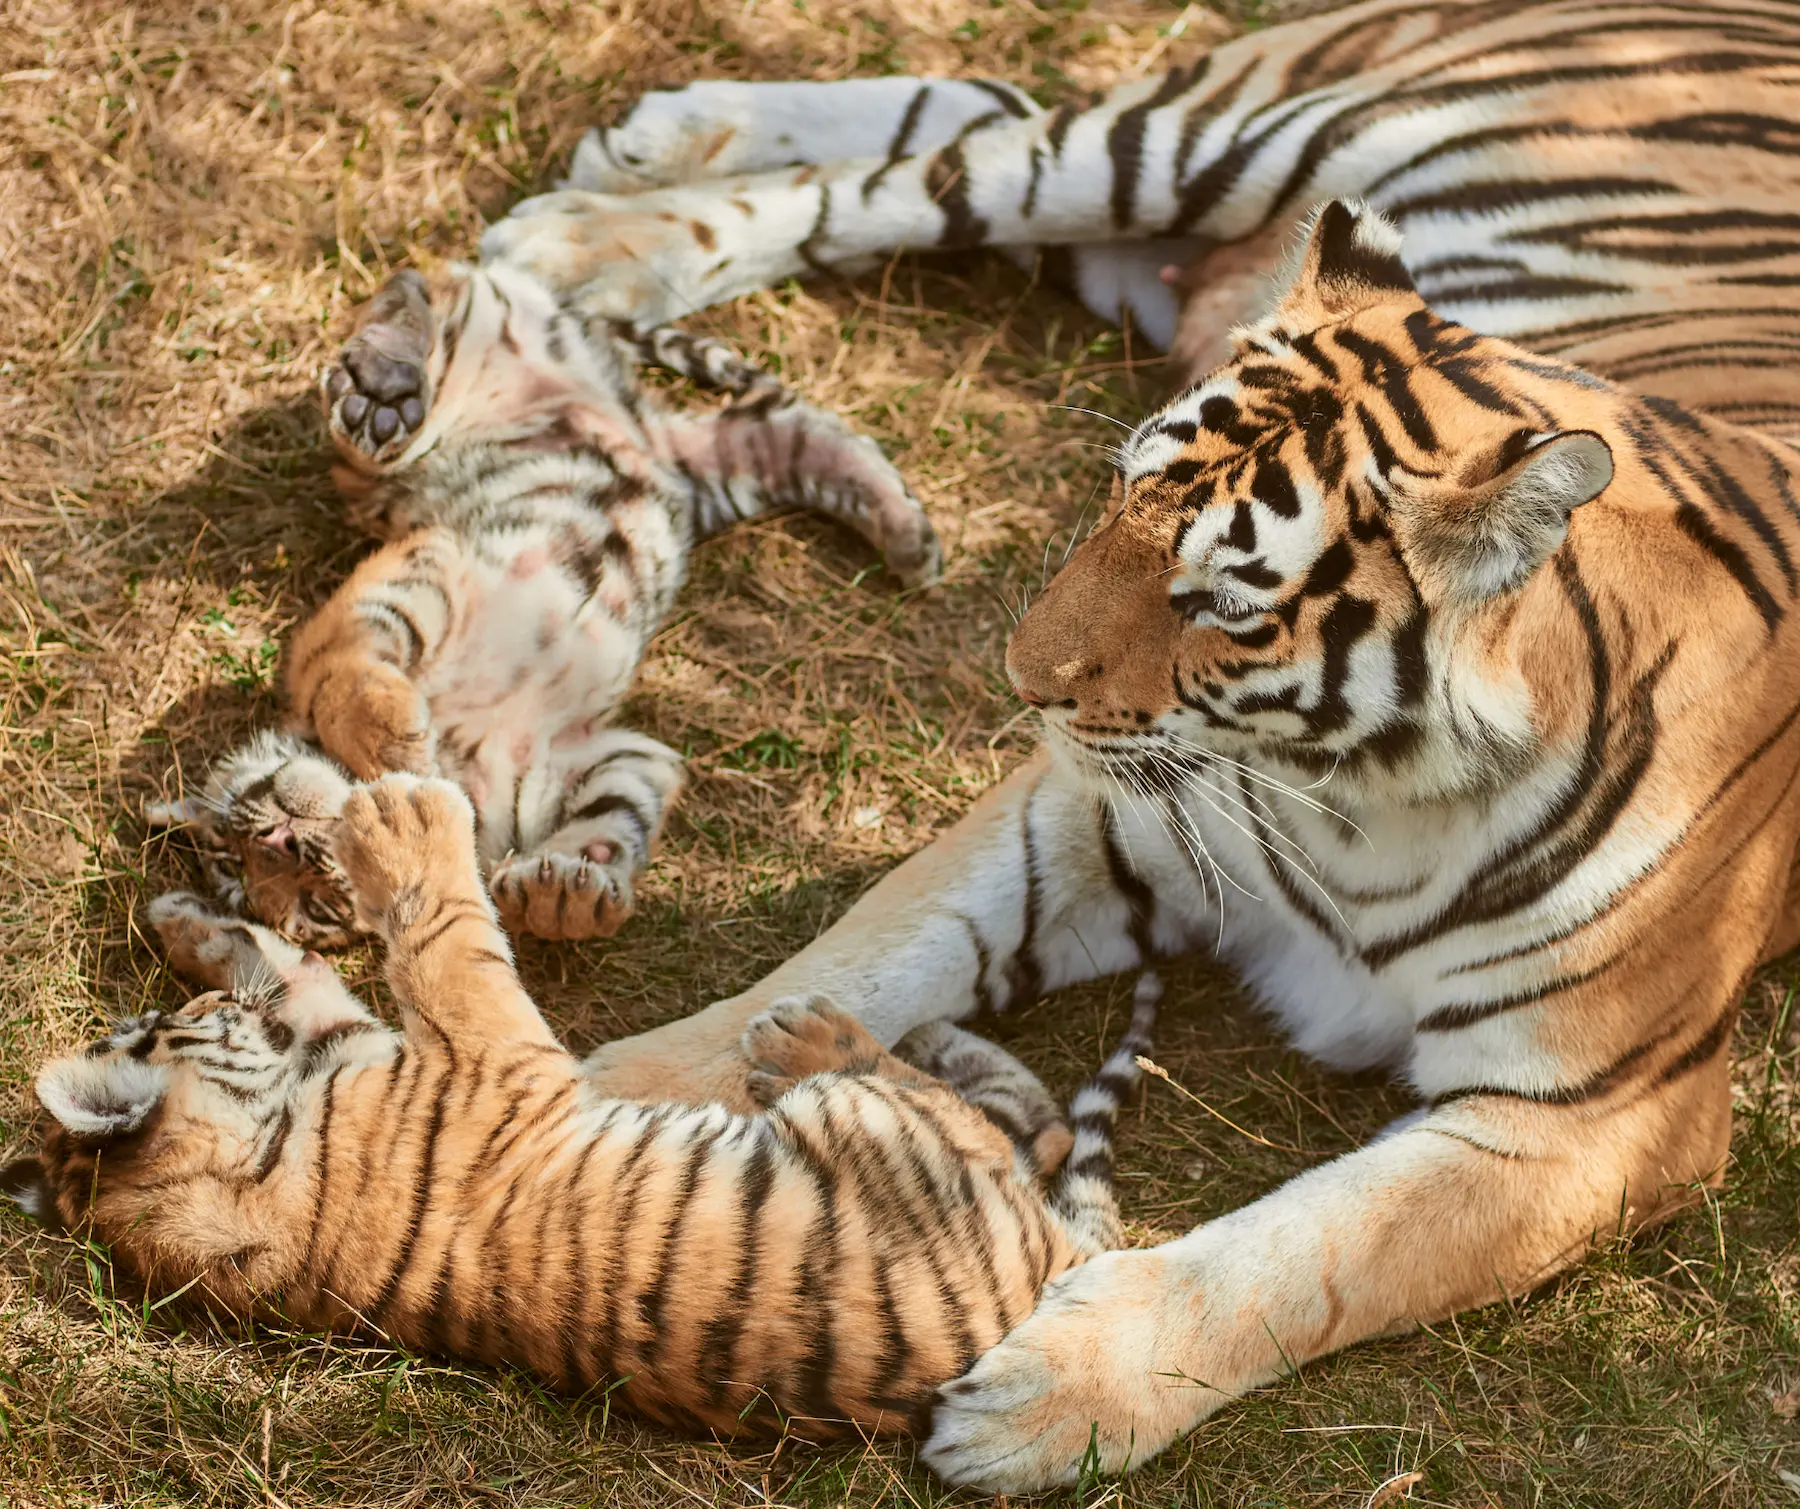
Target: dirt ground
x=195, y=198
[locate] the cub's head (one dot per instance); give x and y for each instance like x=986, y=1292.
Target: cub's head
x=263, y=824
x=169, y=1135
x=1302, y=549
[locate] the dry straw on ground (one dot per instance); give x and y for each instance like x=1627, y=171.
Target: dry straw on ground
x=195, y=196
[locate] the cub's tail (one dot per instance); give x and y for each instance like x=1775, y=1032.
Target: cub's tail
x=1085, y=1198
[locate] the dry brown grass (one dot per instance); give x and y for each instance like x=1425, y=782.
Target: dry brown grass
x=195, y=198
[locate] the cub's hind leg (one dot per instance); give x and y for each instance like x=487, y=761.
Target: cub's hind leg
x=378, y=394
x=578, y=881
x=801, y=1036
x=779, y=452
x=995, y=1083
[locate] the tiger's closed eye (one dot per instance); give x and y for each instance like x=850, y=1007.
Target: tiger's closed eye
x=1222, y=606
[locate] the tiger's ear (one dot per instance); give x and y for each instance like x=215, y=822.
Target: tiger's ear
x=24, y=1182
x=1474, y=538
x=1350, y=261
x=97, y=1098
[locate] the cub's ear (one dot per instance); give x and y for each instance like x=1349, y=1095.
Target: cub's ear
x=1472, y=539
x=23, y=1181
x=97, y=1098
x=1350, y=261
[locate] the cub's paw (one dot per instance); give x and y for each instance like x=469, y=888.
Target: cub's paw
x=372, y=719
x=800, y=1036
x=213, y=950
x=404, y=844
x=377, y=395
x=563, y=897
x=1080, y=1382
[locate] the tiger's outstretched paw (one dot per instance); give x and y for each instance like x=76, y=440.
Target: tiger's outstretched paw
x=377, y=396
x=800, y=1036
x=646, y=259
x=564, y=897
x=407, y=845
x=1081, y=1381
x=220, y=952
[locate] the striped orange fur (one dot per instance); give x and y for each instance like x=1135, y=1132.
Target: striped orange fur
x=459, y=1186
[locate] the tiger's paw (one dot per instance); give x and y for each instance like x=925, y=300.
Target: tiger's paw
x=377, y=396
x=646, y=259
x=372, y=719
x=564, y=897
x=406, y=845
x=1076, y=1386
x=213, y=950
x=800, y=1036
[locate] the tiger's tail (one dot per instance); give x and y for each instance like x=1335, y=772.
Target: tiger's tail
x=1085, y=1197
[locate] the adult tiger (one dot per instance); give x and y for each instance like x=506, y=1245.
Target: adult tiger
x=1541, y=632
x=1611, y=181
x=1538, y=622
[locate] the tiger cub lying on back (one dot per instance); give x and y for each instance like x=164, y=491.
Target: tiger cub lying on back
x=540, y=511
x=826, y=1264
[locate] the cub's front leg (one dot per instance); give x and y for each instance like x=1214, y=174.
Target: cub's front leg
x=351, y=669
x=407, y=847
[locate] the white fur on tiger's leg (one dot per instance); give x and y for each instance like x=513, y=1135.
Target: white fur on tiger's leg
x=769, y=454
x=578, y=882
x=1039, y=180
x=1479, y=1200
x=719, y=128
x=1038, y=886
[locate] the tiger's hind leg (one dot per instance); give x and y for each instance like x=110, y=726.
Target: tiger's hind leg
x=997, y=1084
x=577, y=882
x=379, y=392
x=718, y=128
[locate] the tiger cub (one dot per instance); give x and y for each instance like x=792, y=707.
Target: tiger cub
x=540, y=510
x=459, y=1186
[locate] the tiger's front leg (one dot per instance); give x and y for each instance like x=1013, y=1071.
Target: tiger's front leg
x=1479, y=1200
x=407, y=847
x=1039, y=886
x=351, y=672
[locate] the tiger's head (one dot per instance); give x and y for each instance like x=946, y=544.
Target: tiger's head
x=167, y=1136
x=1309, y=554
x=263, y=824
